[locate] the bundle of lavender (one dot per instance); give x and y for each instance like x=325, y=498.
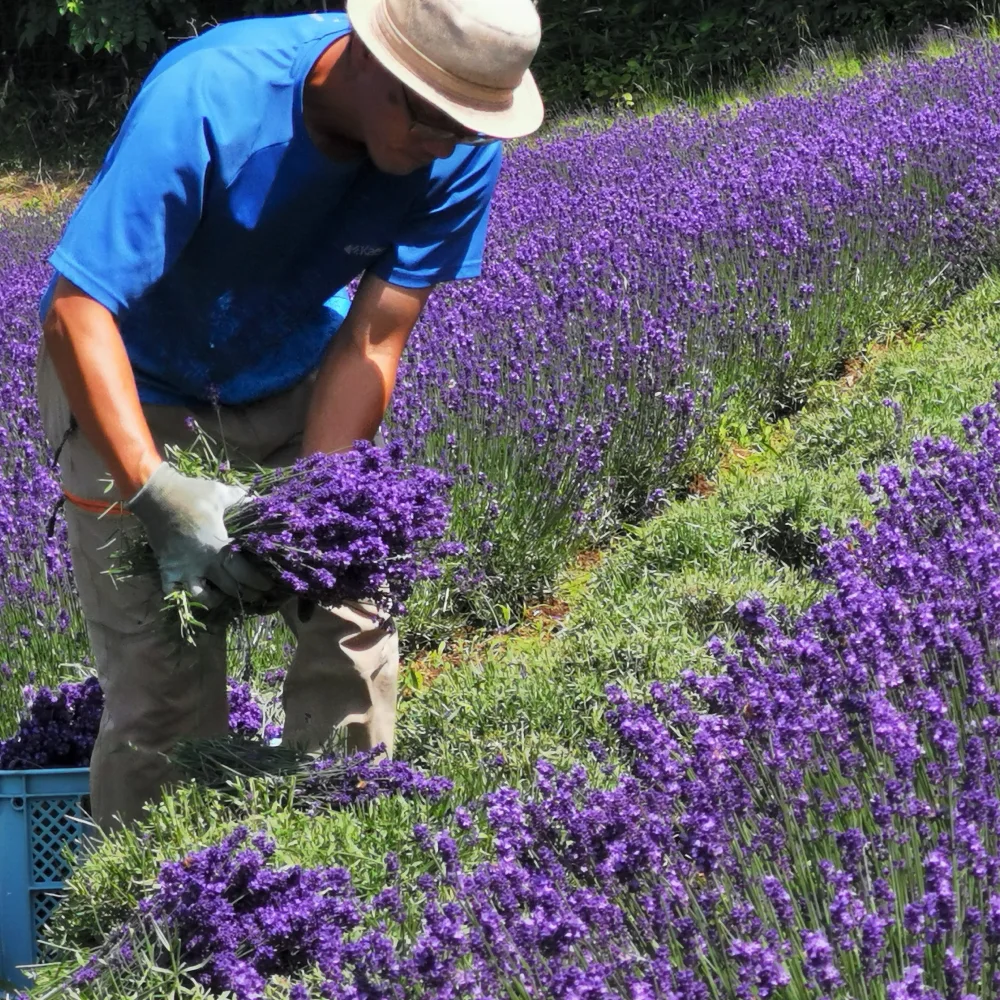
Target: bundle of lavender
x=317, y=781
x=59, y=726
x=57, y=729
x=359, y=525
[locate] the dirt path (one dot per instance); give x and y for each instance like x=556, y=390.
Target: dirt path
x=45, y=191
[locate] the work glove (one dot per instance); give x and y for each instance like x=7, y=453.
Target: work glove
x=183, y=518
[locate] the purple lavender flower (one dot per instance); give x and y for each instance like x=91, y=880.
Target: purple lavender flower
x=58, y=728
x=245, y=716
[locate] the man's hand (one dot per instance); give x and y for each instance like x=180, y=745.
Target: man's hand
x=183, y=518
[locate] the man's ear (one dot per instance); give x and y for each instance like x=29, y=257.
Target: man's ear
x=357, y=51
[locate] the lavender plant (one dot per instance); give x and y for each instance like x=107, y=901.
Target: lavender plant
x=817, y=819
x=39, y=623
x=634, y=275
x=638, y=273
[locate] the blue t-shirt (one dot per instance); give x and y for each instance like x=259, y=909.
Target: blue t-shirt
x=222, y=239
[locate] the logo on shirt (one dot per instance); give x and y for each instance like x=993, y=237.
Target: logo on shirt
x=363, y=250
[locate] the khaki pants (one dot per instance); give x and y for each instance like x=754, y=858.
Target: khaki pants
x=157, y=686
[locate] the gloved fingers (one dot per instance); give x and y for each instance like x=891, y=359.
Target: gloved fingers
x=244, y=572
x=217, y=574
x=207, y=596
x=251, y=597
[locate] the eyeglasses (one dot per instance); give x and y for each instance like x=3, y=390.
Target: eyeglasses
x=427, y=131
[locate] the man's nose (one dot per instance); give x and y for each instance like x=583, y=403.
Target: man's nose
x=439, y=148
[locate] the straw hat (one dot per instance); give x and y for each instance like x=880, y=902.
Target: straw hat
x=469, y=58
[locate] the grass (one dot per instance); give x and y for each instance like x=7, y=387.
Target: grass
x=44, y=191
x=641, y=611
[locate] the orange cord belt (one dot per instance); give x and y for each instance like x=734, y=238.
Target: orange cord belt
x=116, y=509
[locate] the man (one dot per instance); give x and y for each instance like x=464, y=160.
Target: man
x=262, y=167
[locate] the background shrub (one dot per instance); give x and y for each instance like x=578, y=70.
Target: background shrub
x=71, y=67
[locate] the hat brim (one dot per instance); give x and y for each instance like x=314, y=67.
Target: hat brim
x=523, y=117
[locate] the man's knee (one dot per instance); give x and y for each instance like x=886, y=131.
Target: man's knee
x=159, y=687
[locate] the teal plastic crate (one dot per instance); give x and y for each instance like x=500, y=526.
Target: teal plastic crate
x=40, y=813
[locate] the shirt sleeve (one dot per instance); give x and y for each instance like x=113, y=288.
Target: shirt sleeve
x=443, y=235
x=146, y=202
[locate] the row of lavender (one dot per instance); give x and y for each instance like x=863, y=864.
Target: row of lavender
x=39, y=628
x=817, y=819
x=634, y=277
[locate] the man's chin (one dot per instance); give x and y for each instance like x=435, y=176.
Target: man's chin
x=399, y=164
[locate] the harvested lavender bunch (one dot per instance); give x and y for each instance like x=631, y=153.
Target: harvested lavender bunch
x=58, y=728
x=356, y=525
x=215, y=763
x=338, y=782
x=322, y=781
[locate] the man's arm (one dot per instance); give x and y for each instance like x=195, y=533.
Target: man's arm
x=89, y=357
x=358, y=371
x=183, y=515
